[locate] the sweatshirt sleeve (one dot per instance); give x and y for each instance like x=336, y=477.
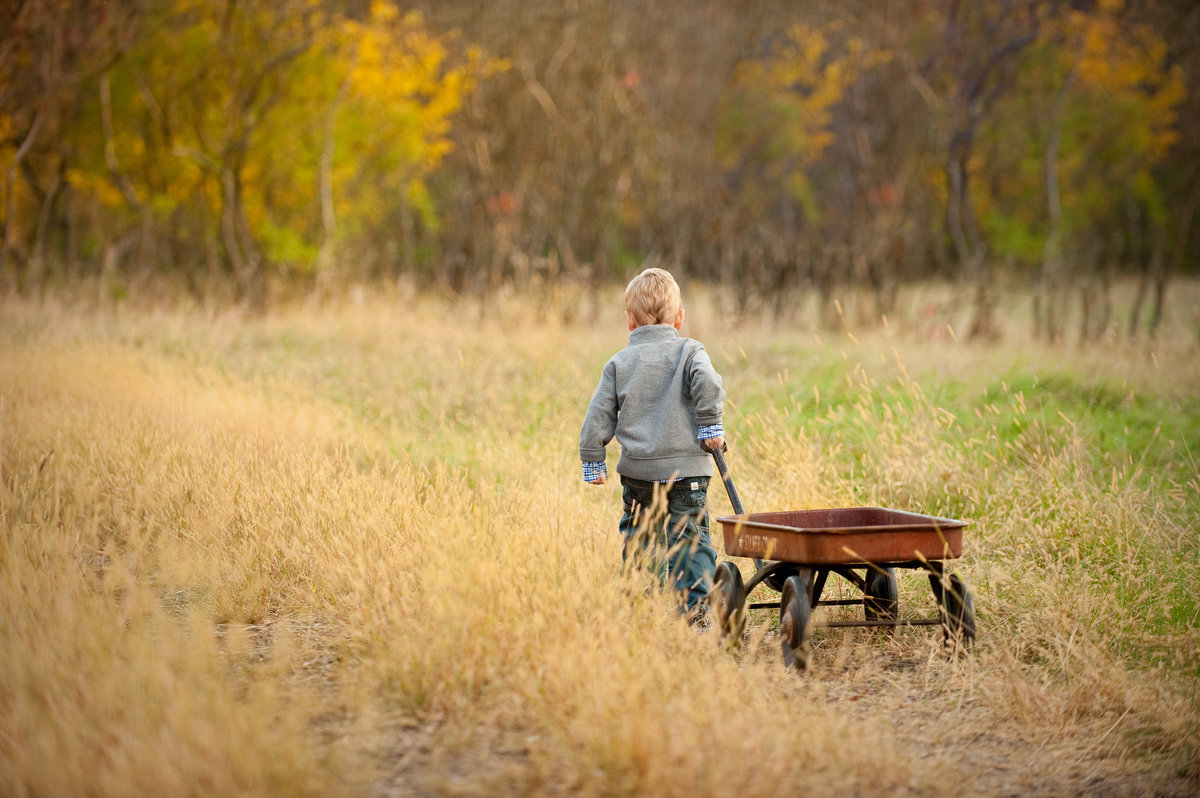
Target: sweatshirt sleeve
x=600, y=422
x=707, y=394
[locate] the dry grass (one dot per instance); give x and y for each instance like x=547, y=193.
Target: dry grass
x=347, y=550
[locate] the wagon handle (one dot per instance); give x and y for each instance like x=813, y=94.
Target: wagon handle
x=727, y=478
x=731, y=489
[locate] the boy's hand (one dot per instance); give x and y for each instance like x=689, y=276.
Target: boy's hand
x=711, y=445
x=598, y=481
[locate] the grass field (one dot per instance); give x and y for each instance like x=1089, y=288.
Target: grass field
x=345, y=550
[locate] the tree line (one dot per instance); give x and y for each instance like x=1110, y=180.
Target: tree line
x=772, y=148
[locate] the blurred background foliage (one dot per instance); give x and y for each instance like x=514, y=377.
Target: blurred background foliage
x=773, y=149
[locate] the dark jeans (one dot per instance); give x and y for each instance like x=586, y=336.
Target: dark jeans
x=665, y=528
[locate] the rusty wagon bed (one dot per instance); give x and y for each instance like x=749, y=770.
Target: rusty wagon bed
x=842, y=536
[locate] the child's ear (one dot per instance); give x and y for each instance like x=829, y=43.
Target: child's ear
x=679, y=319
x=631, y=320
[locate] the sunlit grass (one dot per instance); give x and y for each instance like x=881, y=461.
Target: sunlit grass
x=346, y=549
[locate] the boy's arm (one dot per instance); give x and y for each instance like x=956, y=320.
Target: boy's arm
x=707, y=394
x=599, y=427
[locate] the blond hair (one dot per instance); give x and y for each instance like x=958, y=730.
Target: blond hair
x=653, y=297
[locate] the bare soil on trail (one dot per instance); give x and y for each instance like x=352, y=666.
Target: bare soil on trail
x=958, y=740
x=957, y=718
x=986, y=750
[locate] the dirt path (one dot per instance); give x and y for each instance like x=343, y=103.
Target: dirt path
x=944, y=725
x=956, y=738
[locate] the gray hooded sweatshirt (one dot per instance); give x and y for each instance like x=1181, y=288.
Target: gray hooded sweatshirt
x=653, y=396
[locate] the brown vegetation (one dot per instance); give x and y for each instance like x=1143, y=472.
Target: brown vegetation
x=346, y=549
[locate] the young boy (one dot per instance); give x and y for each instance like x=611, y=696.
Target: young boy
x=662, y=399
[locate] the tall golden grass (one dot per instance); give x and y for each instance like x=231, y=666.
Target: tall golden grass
x=346, y=550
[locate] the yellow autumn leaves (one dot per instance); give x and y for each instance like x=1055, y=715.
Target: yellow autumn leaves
x=253, y=114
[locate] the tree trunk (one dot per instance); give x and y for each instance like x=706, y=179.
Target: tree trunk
x=1087, y=301
x=983, y=324
x=10, y=185
x=1053, y=279
x=970, y=247
x=1162, y=274
x=1158, y=274
x=1135, y=247
x=38, y=261
x=325, y=255
x=124, y=183
x=239, y=246
x=1135, y=313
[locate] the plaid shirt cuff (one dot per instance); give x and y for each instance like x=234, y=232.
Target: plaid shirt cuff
x=710, y=431
x=593, y=471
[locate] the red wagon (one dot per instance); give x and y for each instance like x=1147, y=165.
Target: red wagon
x=796, y=551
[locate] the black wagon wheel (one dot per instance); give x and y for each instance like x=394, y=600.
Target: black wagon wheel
x=727, y=600
x=795, y=622
x=881, y=596
x=956, y=606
